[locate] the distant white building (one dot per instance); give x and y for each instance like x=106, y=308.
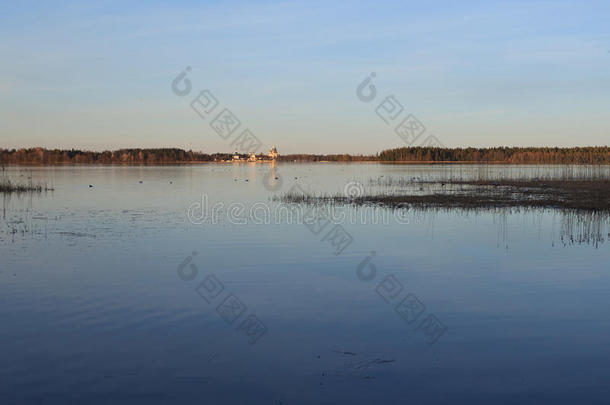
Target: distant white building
x=273, y=153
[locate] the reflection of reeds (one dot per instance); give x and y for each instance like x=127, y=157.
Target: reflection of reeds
x=579, y=227
x=579, y=195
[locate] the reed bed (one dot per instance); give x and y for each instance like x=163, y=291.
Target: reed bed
x=7, y=186
x=576, y=188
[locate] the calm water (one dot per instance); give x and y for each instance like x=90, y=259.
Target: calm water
x=103, y=301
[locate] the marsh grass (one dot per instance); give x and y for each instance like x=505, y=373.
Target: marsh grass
x=580, y=221
x=7, y=186
x=589, y=195
x=577, y=188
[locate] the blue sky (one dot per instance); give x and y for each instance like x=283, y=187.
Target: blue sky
x=97, y=75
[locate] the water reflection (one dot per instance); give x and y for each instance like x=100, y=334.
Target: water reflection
x=92, y=307
x=566, y=227
x=23, y=217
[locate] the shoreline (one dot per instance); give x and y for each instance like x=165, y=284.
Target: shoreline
x=271, y=162
x=418, y=155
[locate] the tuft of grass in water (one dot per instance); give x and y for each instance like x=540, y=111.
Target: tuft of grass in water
x=7, y=186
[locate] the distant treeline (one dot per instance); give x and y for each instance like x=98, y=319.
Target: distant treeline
x=121, y=156
x=579, y=155
x=145, y=156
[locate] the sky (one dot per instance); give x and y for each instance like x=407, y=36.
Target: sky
x=98, y=75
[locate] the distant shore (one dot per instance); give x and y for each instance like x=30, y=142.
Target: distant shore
x=592, y=155
x=269, y=162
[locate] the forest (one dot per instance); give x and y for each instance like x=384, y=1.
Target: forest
x=514, y=155
x=122, y=156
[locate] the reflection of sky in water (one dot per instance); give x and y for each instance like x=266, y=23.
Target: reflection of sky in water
x=93, y=310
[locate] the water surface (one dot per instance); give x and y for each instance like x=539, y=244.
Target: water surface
x=93, y=308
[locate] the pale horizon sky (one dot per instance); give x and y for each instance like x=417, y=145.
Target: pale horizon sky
x=97, y=75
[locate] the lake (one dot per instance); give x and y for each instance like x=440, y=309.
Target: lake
x=192, y=284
